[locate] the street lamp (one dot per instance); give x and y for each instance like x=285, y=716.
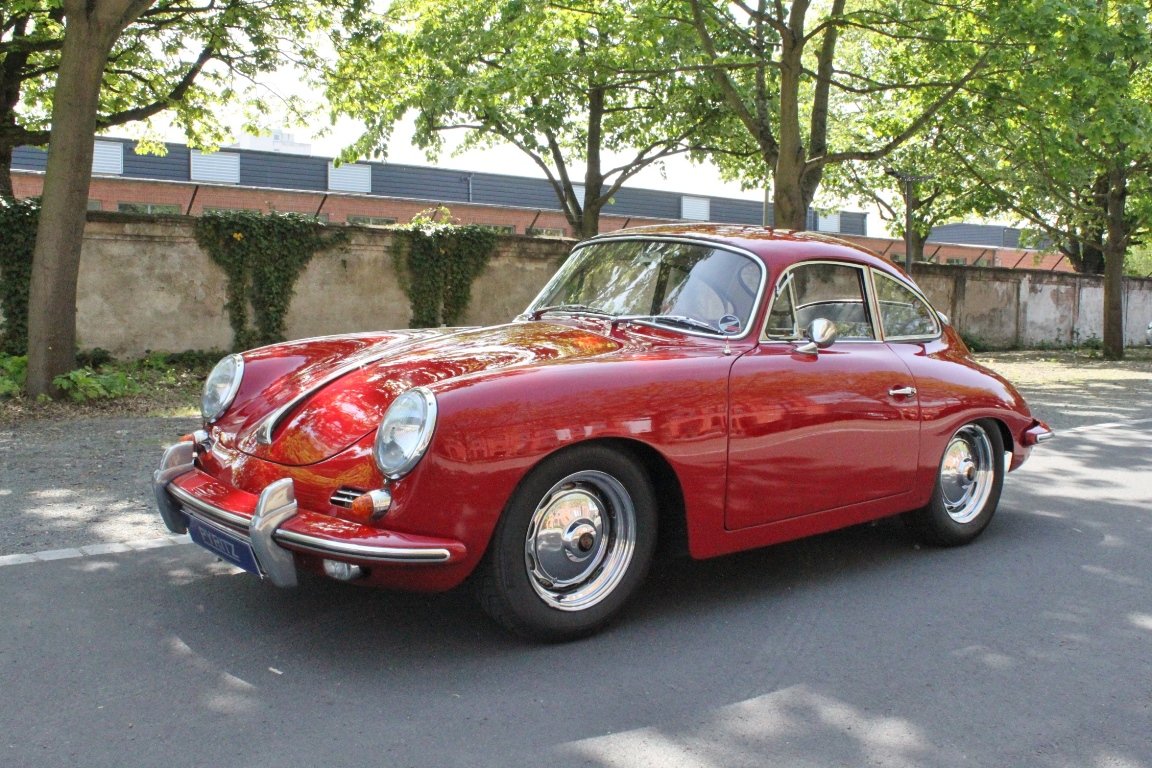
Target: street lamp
x=909, y=181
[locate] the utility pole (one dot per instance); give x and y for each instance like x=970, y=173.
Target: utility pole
x=909, y=191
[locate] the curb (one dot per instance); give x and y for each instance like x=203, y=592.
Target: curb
x=92, y=550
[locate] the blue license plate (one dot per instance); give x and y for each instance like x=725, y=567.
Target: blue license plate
x=219, y=541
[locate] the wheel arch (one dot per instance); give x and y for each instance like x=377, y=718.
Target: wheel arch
x=672, y=537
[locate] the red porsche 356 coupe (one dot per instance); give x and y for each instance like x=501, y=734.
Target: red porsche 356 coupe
x=741, y=386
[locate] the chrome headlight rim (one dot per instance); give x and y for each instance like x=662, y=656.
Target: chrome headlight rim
x=209, y=411
x=427, y=402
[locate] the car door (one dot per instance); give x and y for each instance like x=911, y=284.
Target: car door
x=815, y=430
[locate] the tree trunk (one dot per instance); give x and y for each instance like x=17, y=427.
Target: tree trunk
x=6, y=191
x=56, y=260
x=1115, y=247
x=916, y=239
x=593, y=170
x=590, y=221
x=788, y=175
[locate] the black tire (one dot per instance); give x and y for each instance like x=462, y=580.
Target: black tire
x=572, y=546
x=968, y=484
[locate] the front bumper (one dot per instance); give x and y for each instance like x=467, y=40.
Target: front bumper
x=276, y=528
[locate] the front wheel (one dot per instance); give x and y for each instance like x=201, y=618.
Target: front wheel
x=968, y=485
x=572, y=546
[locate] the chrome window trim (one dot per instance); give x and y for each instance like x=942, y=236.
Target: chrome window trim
x=865, y=286
x=875, y=298
x=700, y=241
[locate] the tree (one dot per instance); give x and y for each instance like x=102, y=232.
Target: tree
x=91, y=29
x=921, y=181
x=178, y=55
x=564, y=83
x=117, y=60
x=811, y=85
x=1067, y=140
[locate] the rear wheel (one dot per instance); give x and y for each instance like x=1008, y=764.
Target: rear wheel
x=572, y=546
x=968, y=485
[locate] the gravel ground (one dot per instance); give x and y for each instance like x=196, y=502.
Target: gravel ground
x=79, y=480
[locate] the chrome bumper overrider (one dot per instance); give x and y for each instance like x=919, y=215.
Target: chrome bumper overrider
x=276, y=506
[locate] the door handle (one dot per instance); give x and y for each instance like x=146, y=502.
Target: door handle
x=902, y=392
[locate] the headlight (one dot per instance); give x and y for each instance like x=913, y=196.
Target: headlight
x=220, y=388
x=405, y=432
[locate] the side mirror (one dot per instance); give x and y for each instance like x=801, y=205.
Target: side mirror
x=729, y=325
x=820, y=335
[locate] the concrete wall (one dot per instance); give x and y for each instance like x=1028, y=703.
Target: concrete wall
x=1005, y=308
x=146, y=285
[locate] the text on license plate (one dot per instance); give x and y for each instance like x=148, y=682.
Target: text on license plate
x=219, y=541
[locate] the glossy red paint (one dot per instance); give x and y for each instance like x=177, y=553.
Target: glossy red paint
x=760, y=441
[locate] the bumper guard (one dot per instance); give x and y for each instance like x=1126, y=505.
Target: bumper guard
x=276, y=506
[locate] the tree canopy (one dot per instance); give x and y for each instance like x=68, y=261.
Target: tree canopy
x=808, y=85
x=1065, y=137
x=567, y=84
x=186, y=57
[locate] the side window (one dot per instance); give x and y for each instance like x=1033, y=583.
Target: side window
x=834, y=292
x=782, y=318
x=903, y=314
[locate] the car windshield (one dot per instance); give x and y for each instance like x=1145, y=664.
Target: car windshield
x=689, y=286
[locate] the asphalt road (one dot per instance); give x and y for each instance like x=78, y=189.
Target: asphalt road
x=1032, y=647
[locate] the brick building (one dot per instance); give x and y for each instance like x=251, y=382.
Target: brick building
x=187, y=181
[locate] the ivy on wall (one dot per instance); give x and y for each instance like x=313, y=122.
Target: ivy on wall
x=263, y=255
x=18, y=220
x=436, y=263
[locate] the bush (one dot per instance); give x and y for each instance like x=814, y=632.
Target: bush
x=86, y=384
x=13, y=370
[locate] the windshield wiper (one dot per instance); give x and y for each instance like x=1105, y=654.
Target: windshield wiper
x=575, y=309
x=680, y=321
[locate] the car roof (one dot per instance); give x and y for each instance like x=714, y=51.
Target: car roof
x=777, y=248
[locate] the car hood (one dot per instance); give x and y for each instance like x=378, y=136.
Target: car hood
x=303, y=402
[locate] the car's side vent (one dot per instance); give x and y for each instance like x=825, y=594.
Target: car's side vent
x=343, y=497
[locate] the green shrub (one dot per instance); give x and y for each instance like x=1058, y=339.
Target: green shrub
x=436, y=263
x=263, y=255
x=86, y=384
x=18, y=220
x=13, y=371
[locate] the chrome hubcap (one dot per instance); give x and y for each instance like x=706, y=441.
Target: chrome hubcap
x=966, y=473
x=580, y=540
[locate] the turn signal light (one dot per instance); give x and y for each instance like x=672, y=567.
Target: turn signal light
x=372, y=506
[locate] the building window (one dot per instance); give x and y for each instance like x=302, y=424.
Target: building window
x=828, y=222
x=108, y=158
x=95, y=205
x=229, y=209
x=370, y=221
x=500, y=229
x=153, y=208
x=545, y=231
x=695, y=208
x=960, y=262
x=219, y=167
x=350, y=178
